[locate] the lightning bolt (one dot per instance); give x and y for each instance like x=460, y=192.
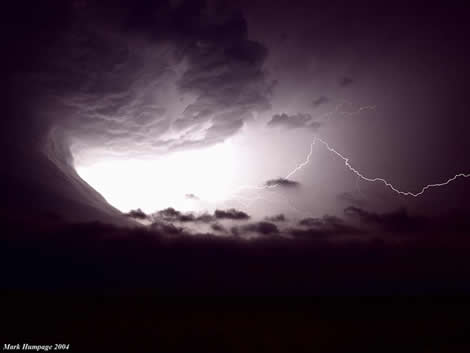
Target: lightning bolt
x=301, y=165
x=384, y=181
x=271, y=186
x=358, y=174
x=326, y=116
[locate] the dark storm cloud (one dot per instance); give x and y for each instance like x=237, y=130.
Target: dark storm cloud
x=135, y=95
x=205, y=218
x=166, y=260
x=138, y=214
x=282, y=182
x=231, y=214
x=277, y=218
x=320, y=101
x=187, y=218
x=172, y=215
x=260, y=228
x=218, y=227
x=28, y=124
x=295, y=121
x=395, y=221
x=402, y=222
x=166, y=228
x=226, y=74
x=311, y=222
x=119, y=79
x=325, y=226
x=169, y=213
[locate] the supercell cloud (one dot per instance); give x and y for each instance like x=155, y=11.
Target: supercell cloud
x=86, y=82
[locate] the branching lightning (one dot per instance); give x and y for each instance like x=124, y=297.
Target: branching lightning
x=359, y=175
x=384, y=181
x=301, y=165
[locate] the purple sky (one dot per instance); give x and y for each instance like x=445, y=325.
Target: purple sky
x=200, y=117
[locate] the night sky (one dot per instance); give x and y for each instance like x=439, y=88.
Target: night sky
x=245, y=147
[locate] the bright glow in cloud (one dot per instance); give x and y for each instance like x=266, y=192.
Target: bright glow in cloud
x=151, y=185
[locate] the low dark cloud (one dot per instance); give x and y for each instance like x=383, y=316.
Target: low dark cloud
x=137, y=214
x=231, y=214
x=162, y=258
x=454, y=222
x=166, y=228
x=261, y=228
x=396, y=221
x=277, y=218
x=325, y=226
x=311, y=222
x=205, y=218
x=320, y=101
x=170, y=214
x=218, y=227
x=295, y=121
x=282, y=182
x=167, y=259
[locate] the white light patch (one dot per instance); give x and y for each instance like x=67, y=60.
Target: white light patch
x=151, y=185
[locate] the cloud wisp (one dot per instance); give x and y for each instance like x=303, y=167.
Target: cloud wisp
x=296, y=121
